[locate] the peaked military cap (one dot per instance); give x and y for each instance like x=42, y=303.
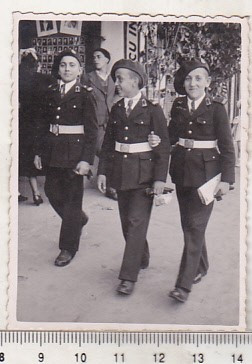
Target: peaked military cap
x=132, y=66
x=185, y=68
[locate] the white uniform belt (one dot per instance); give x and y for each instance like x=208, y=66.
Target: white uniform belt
x=191, y=143
x=132, y=148
x=66, y=129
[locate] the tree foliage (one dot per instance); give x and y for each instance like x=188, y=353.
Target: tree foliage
x=168, y=44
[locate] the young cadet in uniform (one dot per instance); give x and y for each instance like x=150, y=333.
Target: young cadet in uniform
x=200, y=130
x=66, y=140
x=132, y=164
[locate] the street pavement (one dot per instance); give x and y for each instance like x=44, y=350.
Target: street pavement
x=84, y=291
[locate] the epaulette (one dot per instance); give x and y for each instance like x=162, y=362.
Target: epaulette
x=180, y=99
x=219, y=99
x=87, y=88
x=53, y=86
x=155, y=102
x=119, y=103
x=150, y=102
x=180, y=103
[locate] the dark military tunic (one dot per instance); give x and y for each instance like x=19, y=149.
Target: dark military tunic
x=131, y=173
x=192, y=167
x=135, y=170
x=61, y=153
x=75, y=108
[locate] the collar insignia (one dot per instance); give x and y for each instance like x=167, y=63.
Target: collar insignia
x=77, y=88
x=208, y=101
x=144, y=103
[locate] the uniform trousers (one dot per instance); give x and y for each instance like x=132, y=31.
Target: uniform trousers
x=135, y=210
x=64, y=189
x=194, y=219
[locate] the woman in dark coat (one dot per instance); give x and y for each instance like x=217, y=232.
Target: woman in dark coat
x=32, y=86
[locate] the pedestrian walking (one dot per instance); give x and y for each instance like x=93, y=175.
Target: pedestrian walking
x=65, y=144
x=200, y=132
x=32, y=87
x=133, y=165
x=103, y=90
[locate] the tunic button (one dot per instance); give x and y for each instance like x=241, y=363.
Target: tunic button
x=204, y=122
x=189, y=132
x=74, y=106
x=125, y=156
x=213, y=157
x=189, y=150
x=142, y=122
x=57, y=117
x=58, y=108
x=190, y=123
x=126, y=128
x=126, y=138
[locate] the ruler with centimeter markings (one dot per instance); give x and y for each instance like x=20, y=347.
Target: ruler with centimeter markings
x=57, y=347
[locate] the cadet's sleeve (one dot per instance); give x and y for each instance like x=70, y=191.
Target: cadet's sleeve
x=90, y=130
x=41, y=126
x=172, y=128
x=108, y=149
x=162, y=151
x=225, y=143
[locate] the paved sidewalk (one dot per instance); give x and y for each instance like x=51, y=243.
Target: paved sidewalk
x=84, y=291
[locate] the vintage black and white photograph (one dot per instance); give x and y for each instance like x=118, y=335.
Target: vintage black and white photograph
x=130, y=174
x=45, y=27
x=71, y=27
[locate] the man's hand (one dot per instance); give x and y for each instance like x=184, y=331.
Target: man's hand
x=222, y=188
x=158, y=187
x=37, y=162
x=153, y=140
x=82, y=168
x=101, y=182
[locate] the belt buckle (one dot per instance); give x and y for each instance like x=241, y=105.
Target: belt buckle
x=124, y=148
x=55, y=129
x=189, y=143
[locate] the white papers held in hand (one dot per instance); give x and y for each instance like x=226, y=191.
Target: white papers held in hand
x=206, y=191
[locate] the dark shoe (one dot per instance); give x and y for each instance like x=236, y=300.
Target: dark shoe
x=199, y=277
x=64, y=258
x=111, y=193
x=145, y=263
x=84, y=219
x=125, y=287
x=179, y=294
x=22, y=198
x=37, y=199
